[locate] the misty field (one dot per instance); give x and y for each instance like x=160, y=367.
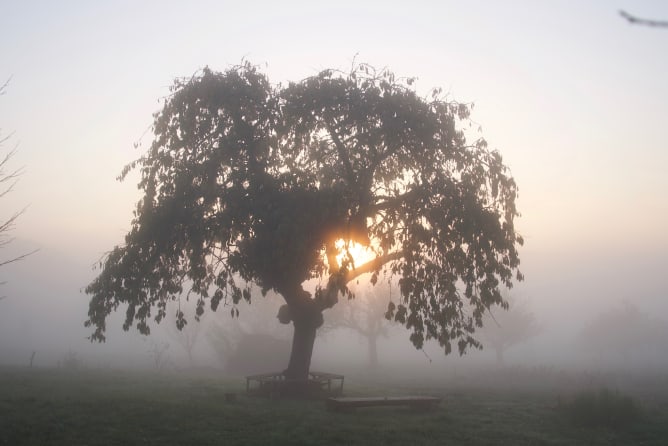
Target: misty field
x=100, y=407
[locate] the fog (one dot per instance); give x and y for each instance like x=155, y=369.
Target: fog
x=45, y=308
x=572, y=96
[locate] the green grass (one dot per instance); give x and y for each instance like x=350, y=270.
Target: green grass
x=603, y=408
x=87, y=407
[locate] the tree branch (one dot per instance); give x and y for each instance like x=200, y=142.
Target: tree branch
x=16, y=259
x=389, y=202
x=647, y=22
x=331, y=252
x=329, y=297
x=372, y=265
x=342, y=151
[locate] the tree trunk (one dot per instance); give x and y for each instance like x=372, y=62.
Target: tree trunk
x=302, y=351
x=306, y=318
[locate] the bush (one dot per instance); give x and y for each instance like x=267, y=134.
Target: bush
x=605, y=408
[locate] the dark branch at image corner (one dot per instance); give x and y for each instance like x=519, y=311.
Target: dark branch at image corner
x=646, y=22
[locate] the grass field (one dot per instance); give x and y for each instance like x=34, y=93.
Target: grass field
x=100, y=407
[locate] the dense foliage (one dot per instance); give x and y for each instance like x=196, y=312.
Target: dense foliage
x=252, y=183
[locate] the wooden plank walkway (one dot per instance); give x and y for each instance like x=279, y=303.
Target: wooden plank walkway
x=414, y=402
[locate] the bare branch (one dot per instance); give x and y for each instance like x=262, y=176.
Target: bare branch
x=21, y=257
x=4, y=86
x=646, y=22
x=10, y=178
x=9, y=223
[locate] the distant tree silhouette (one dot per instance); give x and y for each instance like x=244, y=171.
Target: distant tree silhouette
x=365, y=316
x=252, y=341
x=622, y=333
x=187, y=338
x=505, y=329
x=248, y=182
x=159, y=355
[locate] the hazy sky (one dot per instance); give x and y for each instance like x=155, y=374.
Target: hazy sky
x=573, y=96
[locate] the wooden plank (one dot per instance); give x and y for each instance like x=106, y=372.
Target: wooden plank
x=415, y=402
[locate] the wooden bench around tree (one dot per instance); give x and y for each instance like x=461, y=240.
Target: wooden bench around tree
x=271, y=384
x=266, y=382
x=325, y=380
x=414, y=402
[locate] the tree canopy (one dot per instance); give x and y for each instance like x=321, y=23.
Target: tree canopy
x=248, y=182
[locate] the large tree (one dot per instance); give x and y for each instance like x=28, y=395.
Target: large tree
x=252, y=183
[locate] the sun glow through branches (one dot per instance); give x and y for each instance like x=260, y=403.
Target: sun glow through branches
x=360, y=254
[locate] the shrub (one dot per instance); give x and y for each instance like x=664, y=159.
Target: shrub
x=605, y=408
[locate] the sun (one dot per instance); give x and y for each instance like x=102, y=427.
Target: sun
x=360, y=254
